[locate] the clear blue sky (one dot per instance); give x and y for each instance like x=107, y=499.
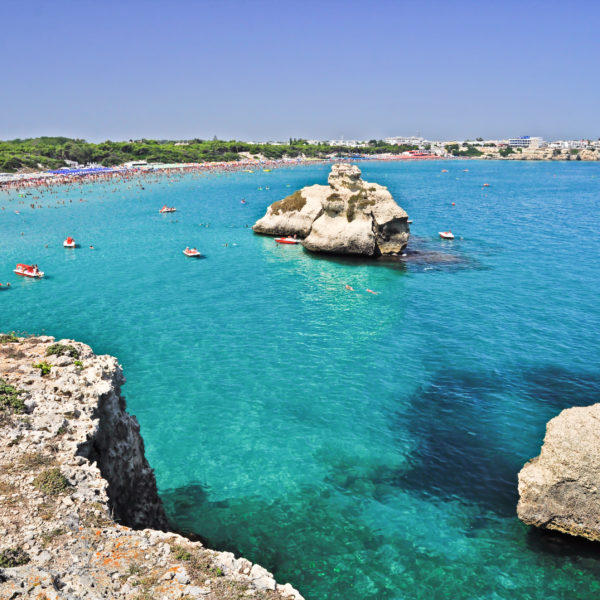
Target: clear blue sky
x=314, y=69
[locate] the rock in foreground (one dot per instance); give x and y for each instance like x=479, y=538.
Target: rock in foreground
x=349, y=216
x=560, y=489
x=76, y=491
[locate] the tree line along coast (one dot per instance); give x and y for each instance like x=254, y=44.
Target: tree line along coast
x=46, y=153
x=53, y=153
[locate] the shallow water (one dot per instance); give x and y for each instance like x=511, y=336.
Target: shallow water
x=359, y=446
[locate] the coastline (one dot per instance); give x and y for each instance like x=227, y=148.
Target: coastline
x=80, y=514
x=44, y=179
x=23, y=181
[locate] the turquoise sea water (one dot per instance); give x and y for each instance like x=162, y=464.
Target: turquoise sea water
x=358, y=446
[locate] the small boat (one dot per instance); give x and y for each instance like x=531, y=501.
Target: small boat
x=287, y=240
x=486, y=185
x=69, y=243
x=267, y=170
x=167, y=209
x=444, y=170
x=446, y=235
x=28, y=270
x=192, y=252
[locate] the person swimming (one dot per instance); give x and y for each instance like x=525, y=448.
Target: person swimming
x=349, y=288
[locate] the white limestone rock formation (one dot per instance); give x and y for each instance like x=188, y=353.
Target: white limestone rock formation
x=560, y=489
x=293, y=215
x=349, y=216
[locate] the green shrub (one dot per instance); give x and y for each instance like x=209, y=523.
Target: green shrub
x=504, y=152
x=181, y=553
x=62, y=350
x=9, y=398
x=78, y=363
x=13, y=557
x=52, y=482
x=44, y=366
x=7, y=338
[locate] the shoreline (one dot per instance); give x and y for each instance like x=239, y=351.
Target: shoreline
x=44, y=179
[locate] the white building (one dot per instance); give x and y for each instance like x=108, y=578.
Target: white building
x=571, y=144
x=526, y=141
x=133, y=164
x=405, y=141
x=348, y=143
x=578, y=144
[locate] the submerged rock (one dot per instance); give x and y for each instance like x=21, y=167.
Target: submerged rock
x=349, y=216
x=560, y=489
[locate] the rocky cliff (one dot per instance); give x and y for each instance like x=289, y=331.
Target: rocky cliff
x=348, y=216
x=76, y=491
x=560, y=489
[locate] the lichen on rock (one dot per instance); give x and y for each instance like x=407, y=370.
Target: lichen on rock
x=348, y=216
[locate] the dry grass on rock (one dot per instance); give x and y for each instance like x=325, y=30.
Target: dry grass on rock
x=293, y=203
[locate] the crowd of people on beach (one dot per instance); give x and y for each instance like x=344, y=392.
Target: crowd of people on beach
x=43, y=180
x=33, y=189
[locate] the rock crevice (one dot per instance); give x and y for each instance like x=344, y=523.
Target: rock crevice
x=118, y=449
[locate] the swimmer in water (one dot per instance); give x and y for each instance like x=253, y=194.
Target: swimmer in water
x=91, y=247
x=372, y=292
x=349, y=288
